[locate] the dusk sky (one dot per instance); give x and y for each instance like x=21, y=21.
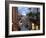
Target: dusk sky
x=25, y=10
